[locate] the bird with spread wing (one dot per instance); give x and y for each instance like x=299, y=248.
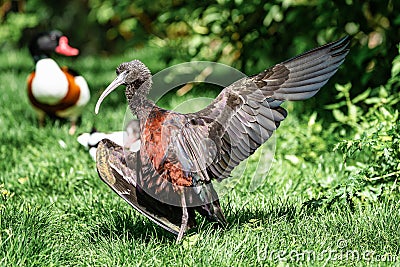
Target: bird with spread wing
x=169, y=178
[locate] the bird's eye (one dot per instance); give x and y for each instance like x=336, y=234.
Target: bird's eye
x=120, y=70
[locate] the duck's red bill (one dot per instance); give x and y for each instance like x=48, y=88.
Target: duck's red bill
x=63, y=48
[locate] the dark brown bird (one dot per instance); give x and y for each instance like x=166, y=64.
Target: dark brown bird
x=180, y=154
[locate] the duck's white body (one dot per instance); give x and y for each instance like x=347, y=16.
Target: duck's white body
x=50, y=86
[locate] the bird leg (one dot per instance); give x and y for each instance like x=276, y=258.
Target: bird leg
x=41, y=117
x=185, y=217
x=72, y=129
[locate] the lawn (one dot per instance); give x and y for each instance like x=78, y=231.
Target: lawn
x=55, y=211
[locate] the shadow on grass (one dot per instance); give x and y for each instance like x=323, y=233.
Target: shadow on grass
x=133, y=226
x=274, y=211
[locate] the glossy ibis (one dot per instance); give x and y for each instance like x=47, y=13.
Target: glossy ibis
x=170, y=176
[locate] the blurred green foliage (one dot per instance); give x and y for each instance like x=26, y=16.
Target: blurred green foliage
x=249, y=35
x=377, y=132
x=371, y=148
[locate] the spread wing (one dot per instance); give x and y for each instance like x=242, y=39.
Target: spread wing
x=210, y=143
x=246, y=113
x=115, y=172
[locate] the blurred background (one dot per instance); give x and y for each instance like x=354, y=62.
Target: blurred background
x=248, y=35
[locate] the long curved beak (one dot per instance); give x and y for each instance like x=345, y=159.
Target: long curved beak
x=117, y=82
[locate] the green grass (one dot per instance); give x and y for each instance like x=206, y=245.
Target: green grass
x=55, y=211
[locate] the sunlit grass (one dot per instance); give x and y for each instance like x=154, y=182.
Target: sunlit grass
x=55, y=211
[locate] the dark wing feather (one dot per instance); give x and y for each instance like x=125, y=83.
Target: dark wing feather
x=114, y=171
x=246, y=113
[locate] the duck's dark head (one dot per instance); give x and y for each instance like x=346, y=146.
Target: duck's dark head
x=45, y=43
x=134, y=75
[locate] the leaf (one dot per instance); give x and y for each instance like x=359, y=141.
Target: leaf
x=343, y=88
x=362, y=96
x=339, y=116
x=396, y=63
x=383, y=93
x=23, y=180
x=336, y=105
x=396, y=68
x=312, y=119
x=385, y=112
x=372, y=100
x=293, y=159
x=353, y=113
x=190, y=241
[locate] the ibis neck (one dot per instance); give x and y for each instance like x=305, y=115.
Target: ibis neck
x=139, y=104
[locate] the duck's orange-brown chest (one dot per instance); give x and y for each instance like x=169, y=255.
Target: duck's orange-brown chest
x=69, y=100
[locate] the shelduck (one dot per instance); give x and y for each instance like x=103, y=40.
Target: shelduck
x=170, y=177
x=54, y=91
